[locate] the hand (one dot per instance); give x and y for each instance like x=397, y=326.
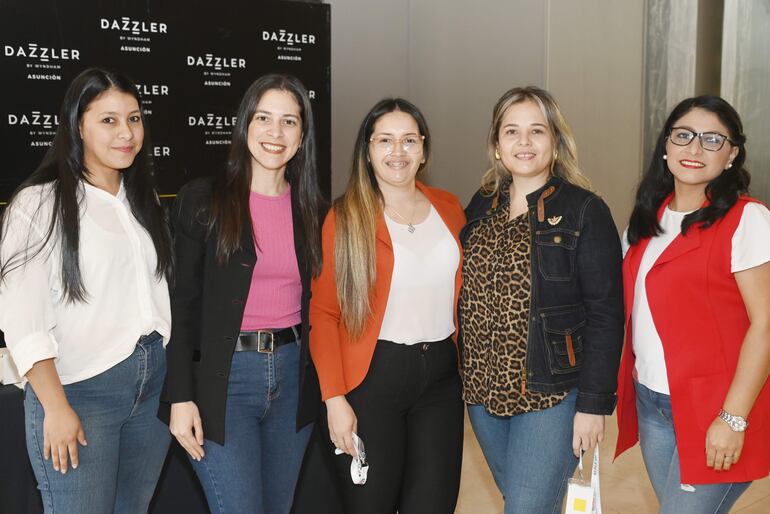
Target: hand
x=723, y=446
x=342, y=423
x=62, y=431
x=186, y=425
x=587, y=432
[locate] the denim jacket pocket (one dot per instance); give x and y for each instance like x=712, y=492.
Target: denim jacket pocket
x=563, y=334
x=556, y=250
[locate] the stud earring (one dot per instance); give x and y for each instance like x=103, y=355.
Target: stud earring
x=729, y=165
x=665, y=157
x=497, y=154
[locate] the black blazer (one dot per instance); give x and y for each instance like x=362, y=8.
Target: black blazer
x=205, y=327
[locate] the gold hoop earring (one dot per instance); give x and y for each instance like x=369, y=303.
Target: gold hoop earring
x=497, y=154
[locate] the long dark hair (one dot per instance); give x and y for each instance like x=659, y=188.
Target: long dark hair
x=658, y=182
x=63, y=168
x=230, y=199
x=357, y=212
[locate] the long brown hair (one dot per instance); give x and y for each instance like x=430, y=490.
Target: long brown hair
x=230, y=201
x=357, y=212
x=565, y=165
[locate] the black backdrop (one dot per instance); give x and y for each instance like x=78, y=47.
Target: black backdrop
x=192, y=61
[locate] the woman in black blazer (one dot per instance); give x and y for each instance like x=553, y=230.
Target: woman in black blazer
x=247, y=243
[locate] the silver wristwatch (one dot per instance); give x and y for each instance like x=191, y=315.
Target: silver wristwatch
x=736, y=423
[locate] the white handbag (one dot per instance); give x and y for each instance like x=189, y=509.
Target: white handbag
x=584, y=497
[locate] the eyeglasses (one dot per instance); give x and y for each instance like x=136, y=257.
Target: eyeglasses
x=711, y=141
x=387, y=144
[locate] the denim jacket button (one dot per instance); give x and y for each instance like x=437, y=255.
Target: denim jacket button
x=557, y=239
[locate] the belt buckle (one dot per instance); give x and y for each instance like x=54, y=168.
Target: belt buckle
x=266, y=348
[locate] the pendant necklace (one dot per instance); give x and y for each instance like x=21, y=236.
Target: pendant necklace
x=409, y=226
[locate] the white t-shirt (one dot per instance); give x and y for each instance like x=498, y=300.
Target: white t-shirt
x=117, y=262
x=750, y=248
x=421, y=300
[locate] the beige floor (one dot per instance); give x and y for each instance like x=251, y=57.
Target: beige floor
x=625, y=486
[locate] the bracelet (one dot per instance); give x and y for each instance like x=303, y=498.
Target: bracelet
x=736, y=423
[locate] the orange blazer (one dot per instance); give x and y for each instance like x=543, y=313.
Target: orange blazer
x=343, y=363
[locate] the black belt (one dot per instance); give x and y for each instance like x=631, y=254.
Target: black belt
x=266, y=341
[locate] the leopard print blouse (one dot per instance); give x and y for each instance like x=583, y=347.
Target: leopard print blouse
x=494, y=312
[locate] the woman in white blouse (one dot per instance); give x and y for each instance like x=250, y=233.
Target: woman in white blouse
x=84, y=304
x=693, y=381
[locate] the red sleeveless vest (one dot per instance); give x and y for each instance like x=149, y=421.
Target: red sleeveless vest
x=700, y=316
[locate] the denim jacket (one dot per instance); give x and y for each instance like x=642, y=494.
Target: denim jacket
x=575, y=335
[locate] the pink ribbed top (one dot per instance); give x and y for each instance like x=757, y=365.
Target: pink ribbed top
x=276, y=291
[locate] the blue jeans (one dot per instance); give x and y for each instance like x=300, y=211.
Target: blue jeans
x=256, y=470
x=530, y=455
x=127, y=443
x=656, y=437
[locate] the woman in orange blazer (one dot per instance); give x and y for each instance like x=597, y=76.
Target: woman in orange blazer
x=382, y=314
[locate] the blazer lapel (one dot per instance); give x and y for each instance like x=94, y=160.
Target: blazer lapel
x=247, y=239
x=381, y=231
x=453, y=223
x=681, y=244
x=631, y=264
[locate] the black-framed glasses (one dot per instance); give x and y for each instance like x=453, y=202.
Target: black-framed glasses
x=711, y=141
x=411, y=143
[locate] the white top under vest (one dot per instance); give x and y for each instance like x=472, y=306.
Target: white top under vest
x=421, y=299
x=125, y=298
x=750, y=248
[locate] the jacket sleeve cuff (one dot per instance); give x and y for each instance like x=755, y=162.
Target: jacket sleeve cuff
x=180, y=389
x=593, y=403
x=180, y=393
x=179, y=385
x=34, y=347
x=331, y=392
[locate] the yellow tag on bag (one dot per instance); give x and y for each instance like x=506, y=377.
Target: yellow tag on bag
x=583, y=497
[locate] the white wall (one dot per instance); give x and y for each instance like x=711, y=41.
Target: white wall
x=595, y=63
x=462, y=59
x=454, y=58
x=369, y=61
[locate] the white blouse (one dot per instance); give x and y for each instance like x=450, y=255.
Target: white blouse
x=421, y=299
x=125, y=298
x=750, y=248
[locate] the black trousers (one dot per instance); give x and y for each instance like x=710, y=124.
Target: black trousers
x=410, y=417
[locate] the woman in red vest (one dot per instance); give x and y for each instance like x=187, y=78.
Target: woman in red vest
x=693, y=380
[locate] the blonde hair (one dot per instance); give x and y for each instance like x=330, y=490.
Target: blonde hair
x=565, y=165
x=357, y=212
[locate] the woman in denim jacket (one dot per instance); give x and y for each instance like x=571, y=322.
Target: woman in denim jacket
x=541, y=307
